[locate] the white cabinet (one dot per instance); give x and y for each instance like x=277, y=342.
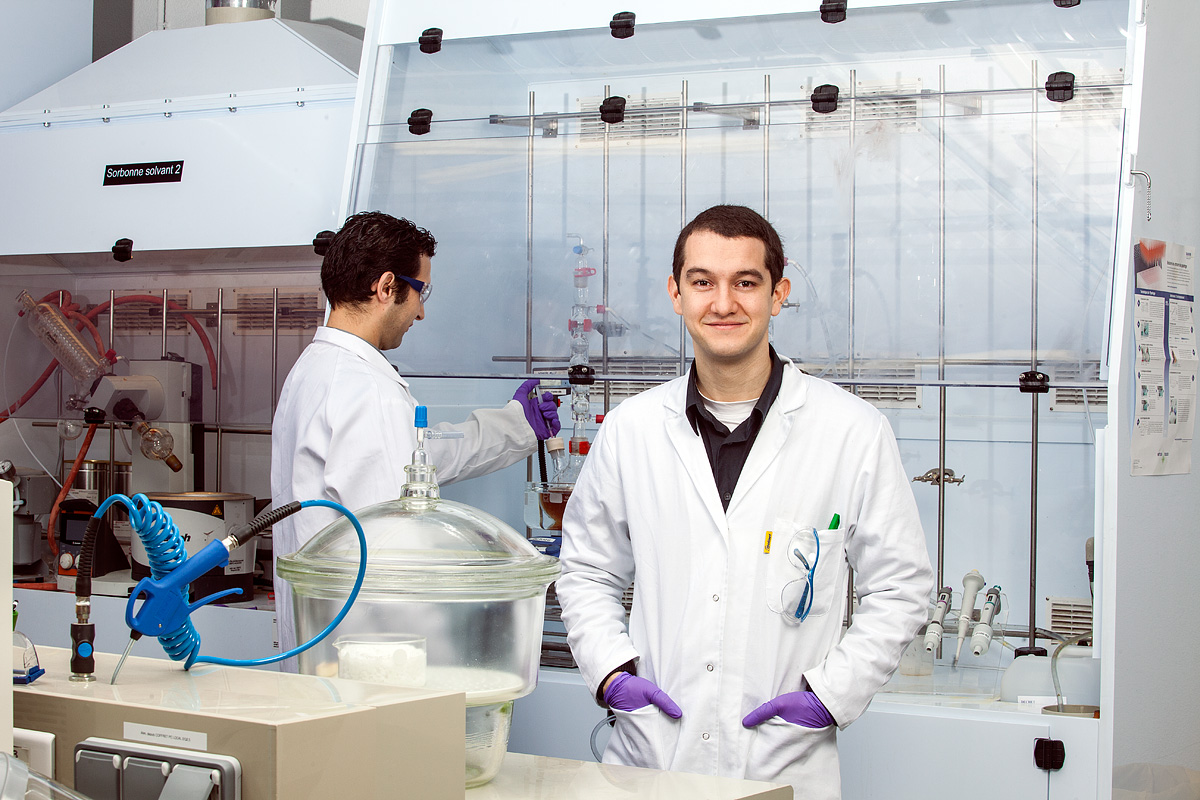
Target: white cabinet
x=904, y=751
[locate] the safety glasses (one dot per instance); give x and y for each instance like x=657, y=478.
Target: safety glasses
x=804, y=551
x=422, y=288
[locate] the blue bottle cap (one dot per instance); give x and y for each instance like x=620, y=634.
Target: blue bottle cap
x=422, y=417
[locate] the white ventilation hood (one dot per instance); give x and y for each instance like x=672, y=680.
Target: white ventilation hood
x=241, y=131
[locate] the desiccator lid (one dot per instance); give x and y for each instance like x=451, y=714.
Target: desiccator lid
x=418, y=547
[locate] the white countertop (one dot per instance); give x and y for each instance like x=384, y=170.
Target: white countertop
x=525, y=777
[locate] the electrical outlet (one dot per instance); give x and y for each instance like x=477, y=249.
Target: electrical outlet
x=36, y=749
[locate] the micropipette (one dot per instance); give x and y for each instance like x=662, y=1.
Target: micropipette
x=981, y=639
x=933, y=633
x=972, y=583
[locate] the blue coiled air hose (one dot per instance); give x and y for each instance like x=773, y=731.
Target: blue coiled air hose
x=170, y=618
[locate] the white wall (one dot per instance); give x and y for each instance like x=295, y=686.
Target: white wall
x=1156, y=686
x=40, y=44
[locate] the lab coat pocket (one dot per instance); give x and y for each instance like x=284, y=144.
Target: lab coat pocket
x=803, y=570
x=829, y=577
x=782, y=751
x=643, y=738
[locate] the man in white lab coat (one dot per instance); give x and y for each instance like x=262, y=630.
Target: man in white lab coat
x=735, y=499
x=344, y=425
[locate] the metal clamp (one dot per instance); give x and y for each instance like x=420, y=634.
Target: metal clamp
x=938, y=477
x=749, y=115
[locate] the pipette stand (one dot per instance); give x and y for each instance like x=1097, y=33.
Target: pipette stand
x=922, y=672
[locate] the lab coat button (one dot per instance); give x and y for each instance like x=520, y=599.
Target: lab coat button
x=710, y=667
x=704, y=736
x=716, y=597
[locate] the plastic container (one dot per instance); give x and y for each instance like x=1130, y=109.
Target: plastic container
x=468, y=584
x=1078, y=675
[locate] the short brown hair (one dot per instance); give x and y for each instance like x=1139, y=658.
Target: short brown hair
x=734, y=222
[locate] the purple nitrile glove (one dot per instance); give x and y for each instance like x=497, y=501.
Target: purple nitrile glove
x=541, y=414
x=798, y=708
x=629, y=693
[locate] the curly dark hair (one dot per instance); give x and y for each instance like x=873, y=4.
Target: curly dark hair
x=369, y=244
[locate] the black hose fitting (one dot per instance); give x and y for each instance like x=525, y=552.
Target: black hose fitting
x=83, y=567
x=244, y=533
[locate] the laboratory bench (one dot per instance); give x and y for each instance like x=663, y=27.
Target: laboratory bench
x=526, y=777
x=302, y=735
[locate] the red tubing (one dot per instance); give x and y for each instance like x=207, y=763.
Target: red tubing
x=66, y=487
x=171, y=304
x=29, y=394
x=87, y=324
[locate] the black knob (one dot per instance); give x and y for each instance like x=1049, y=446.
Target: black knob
x=122, y=250
x=825, y=99
x=419, y=121
x=322, y=241
x=612, y=110
x=621, y=26
x=430, y=40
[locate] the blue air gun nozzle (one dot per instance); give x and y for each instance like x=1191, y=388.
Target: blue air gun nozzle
x=165, y=607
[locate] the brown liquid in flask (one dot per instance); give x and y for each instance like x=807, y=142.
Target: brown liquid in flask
x=554, y=505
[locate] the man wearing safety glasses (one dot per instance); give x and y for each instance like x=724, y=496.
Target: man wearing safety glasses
x=344, y=425
x=735, y=499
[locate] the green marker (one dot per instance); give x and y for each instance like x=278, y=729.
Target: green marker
x=833, y=523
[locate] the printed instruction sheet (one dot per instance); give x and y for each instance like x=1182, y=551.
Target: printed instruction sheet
x=1165, y=358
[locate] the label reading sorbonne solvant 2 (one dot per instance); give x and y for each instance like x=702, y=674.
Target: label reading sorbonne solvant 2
x=150, y=172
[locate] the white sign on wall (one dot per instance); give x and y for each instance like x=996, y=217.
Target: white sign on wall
x=1165, y=358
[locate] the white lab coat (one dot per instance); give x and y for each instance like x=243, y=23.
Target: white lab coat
x=344, y=431
x=703, y=625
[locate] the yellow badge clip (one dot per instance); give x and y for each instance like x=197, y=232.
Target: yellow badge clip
x=767, y=544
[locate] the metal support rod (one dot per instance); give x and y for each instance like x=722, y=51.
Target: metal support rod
x=849, y=618
x=850, y=230
x=529, y=238
x=274, y=349
x=112, y=458
x=604, y=266
x=1033, y=466
x=58, y=381
x=766, y=135
x=1033, y=263
x=1033, y=363
x=941, y=516
x=164, y=324
x=683, y=220
x=217, y=399
x=112, y=428
x=530, y=131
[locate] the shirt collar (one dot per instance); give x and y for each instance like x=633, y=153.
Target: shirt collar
x=695, y=409
x=361, y=348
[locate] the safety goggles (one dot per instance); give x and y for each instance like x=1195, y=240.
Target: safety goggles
x=422, y=288
x=804, y=551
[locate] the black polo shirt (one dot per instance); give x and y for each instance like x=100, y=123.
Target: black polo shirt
x=728, y=450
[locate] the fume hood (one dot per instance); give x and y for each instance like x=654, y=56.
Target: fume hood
x=199, y=139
